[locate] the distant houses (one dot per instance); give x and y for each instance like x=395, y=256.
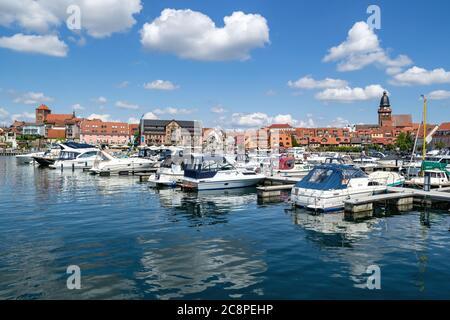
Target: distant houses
x=171, y=132
x=58, y=127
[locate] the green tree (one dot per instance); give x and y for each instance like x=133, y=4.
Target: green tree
x=294, y=142
x=405, y=142
x=439, y=145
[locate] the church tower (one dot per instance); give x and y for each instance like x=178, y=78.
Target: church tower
x=41, y=113
x=385, y=112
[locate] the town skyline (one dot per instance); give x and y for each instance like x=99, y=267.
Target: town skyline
x=278, y=72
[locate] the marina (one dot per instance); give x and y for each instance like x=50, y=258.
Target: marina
x=233, y=151
x=163, y=230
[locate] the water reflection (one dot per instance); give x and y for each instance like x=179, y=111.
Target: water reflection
x=206, y=207
x=189, y=268
x=134, y=242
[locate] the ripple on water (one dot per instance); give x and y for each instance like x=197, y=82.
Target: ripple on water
x=134, y=242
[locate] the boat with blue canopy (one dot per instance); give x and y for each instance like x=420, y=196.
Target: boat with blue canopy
x=326, y=187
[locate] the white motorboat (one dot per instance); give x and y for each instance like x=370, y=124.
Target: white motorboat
x=365, y=162
x=76, y=155
x=387, y=178
x=289, y=167
x=391, y=160
x=326, y=187
x=114, y=165
x=438, y=178
x=214, y=174
x=169, y=174
x=23, y=159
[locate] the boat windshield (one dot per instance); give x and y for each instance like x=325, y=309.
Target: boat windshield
x=68, y=155
x=329, y=177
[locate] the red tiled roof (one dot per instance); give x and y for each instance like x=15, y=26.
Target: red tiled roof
x=58, y=118
x=43, y=107
x=56, y=134
x=444, y=126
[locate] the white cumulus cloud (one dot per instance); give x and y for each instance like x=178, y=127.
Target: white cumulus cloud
x=439, y=95
x=33, y=98
x=160, y=85
x=77, y=107
x=174, y=111
x=23, y=116
x=193, y=35
x=100, y=100
x=133, y=120
x=29, y=14
x=103, y=117
x=362, y=48
x=349, y=94
x=218, y=109
x=99, y=18
x=126, y=105
x=421, y=76
x=47, y=44
x=150, y=116
x=308, y=82
x=260, y=119
x=339, y=122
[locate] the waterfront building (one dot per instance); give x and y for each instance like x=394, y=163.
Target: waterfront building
x=97, y=132
x=171, y=132
x=33, y=128
x=280, y=135
x=56, y=135
x=8, y=138
x=68, y=124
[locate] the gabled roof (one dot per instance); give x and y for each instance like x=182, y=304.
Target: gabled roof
x=59, y=118
x=444, y=126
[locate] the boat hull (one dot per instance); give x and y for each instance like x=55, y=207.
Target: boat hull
x=330, y=200
x=44, y=161
x=116, y=168
x=219, y=185
x=69, y=164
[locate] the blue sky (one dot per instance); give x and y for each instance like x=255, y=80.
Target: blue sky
x=235, y=76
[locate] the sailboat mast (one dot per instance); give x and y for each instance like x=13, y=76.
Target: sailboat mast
x=424, y=144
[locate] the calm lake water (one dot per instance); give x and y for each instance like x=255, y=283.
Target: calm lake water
x=134, y=242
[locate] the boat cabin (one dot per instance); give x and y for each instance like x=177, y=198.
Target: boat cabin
x=330, y=177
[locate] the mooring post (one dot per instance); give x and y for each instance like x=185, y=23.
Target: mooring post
x=427, y=181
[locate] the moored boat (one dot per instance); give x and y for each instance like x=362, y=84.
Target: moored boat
x=109, y=164
x=213, y=174
x=326, y=187
x=27, y=158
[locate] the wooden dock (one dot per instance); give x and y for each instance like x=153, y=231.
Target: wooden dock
x=10, y=153
x=358, y=208
x=279, y=180
x=272, y=191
